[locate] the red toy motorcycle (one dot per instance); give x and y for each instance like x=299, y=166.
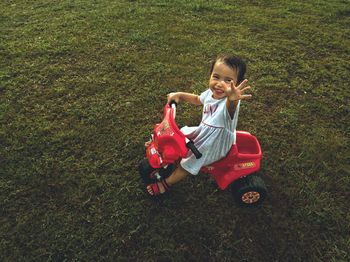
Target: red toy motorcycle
x=238, y=169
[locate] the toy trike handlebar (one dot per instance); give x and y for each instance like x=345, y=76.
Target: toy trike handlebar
x=169, y=144
x=189, y=143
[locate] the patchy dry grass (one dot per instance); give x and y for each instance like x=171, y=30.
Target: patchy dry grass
x=83, y=82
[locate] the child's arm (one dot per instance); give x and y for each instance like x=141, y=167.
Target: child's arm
x=234, y=94
x=187, y=97
x=231, y=107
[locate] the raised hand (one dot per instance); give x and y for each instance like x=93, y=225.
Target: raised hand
x=235, y=93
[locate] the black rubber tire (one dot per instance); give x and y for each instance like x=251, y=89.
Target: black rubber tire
x=147, y=172
x=249, y=191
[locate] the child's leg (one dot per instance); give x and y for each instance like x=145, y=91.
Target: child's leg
x=175, y=177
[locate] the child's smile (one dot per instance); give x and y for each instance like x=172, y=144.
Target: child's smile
x=218, y=91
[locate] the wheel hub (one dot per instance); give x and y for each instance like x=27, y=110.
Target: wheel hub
x=251, y=197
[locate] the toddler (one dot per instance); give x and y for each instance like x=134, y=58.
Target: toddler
x=217, y=131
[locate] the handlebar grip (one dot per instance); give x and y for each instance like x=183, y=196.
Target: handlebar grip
x=194, y=149
x=172, y=102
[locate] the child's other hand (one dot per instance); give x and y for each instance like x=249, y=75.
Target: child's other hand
x=174, y=97
x=235, y=93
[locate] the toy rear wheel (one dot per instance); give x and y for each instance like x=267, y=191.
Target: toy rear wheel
x=249, y=191
x=151, y=175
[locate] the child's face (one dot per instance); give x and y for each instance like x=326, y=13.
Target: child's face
x=222, y=75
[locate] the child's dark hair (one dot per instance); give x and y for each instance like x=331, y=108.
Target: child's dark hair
x=234, y=62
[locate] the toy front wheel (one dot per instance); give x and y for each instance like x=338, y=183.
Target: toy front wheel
x=151, y=175
x=249, y=191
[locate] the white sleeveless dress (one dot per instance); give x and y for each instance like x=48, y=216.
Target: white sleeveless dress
x=214, y=136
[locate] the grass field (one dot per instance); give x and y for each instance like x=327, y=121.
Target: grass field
x=83, y=82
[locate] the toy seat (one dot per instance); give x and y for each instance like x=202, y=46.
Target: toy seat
x=243, y=159
x=247, y=145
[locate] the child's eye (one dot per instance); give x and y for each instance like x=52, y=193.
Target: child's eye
x=228, y=81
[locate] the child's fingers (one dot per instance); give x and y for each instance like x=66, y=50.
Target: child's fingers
x=172, y=97
x=242, y=83
x=226, y=87
x=246, y=97
x=245, y=89
x=233, y=86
